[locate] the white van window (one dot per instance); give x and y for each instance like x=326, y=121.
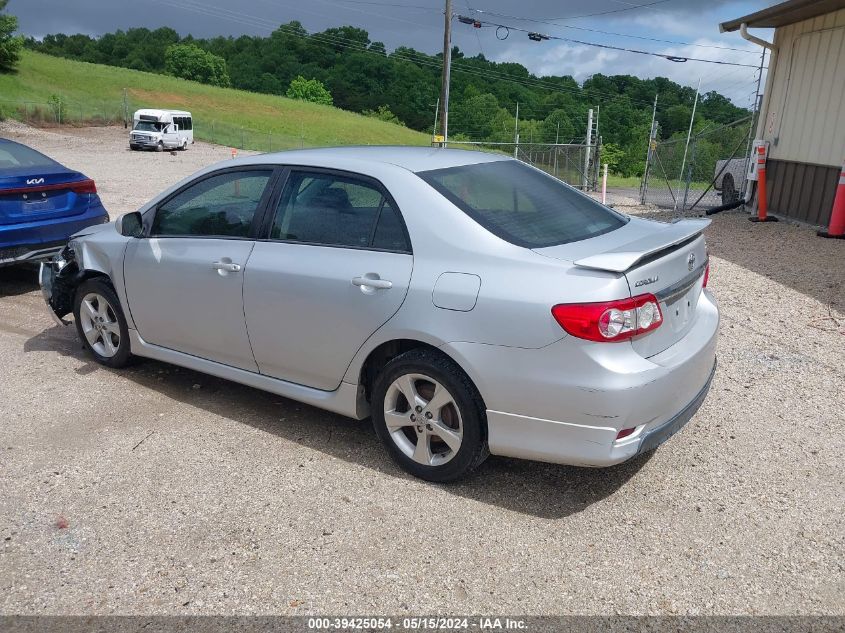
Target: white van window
x=148, y=126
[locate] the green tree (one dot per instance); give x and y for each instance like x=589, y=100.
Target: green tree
x=189, y=61
x=612, y=155
x=309, y=90
x=383, y=113
x=10, y=44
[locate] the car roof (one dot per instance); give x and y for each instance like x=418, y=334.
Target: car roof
x=415, y=159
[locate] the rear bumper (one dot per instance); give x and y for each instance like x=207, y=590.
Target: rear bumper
x=567, y=402
x=41, y=241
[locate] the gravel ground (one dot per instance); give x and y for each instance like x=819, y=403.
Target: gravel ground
x=158, y=490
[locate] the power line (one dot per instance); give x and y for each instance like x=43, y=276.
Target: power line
x=390, y=4
x=538, y=37
x=584, y=28
x=590, y=15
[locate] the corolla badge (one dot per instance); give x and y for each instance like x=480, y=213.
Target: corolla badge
x=691, y=261
x=34, y=181
x=646, y=281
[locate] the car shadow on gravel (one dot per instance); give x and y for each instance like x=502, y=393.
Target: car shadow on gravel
x=18, y=280
x=533, y=488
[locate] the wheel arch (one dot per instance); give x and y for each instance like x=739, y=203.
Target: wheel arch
x=380, y=355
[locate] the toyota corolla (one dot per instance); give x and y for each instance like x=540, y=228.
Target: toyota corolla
x=467, y=302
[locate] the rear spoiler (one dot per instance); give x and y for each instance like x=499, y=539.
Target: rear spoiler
x=624, y=257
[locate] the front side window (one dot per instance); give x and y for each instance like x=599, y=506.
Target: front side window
x=523, y=205
x=337, y=210
x=223, y=205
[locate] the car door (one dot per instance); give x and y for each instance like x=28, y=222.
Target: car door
x=184, y=281
x=170, y=136
x=335, y=267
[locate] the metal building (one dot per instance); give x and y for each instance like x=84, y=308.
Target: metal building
x=802, y=114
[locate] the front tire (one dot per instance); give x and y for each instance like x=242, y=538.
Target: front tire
x=101, y=324
x=430, y=416
x=160, y=147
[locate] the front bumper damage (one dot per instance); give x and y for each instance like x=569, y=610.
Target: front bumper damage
x=59, y=279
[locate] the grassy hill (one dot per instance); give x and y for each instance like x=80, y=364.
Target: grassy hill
x=93, y=92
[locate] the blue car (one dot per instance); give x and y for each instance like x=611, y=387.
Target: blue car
x=42, y=203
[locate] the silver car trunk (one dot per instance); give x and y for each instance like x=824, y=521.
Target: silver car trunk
x=666, y=260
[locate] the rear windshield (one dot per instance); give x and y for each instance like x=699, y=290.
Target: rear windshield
x=521, y=204
x=15, y=155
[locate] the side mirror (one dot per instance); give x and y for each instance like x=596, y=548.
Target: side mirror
x=130, y=224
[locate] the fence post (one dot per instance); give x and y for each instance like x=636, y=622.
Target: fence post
x=689, y=173
x=604, y=186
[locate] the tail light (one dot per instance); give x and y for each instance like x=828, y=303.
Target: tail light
x=625, y=433
x=706, y=274
x=83, y=186
x=79, y=186
x=611, y=320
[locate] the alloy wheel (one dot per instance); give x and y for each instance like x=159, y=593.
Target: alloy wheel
x=423, y=419
x=99, y=324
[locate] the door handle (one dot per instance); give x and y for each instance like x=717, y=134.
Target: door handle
x=370, y=282
x=227, y=266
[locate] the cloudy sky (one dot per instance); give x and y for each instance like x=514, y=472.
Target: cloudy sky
x=687, y=28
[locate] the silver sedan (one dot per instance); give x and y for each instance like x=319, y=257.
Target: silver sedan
x=467, y=302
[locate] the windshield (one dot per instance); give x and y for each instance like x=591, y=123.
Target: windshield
x=15, y=155
x=148, y=126
x=523, y=205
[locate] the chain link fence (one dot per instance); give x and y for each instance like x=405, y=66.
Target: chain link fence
x=58, y=111
x=572, y=163
x=713, y=173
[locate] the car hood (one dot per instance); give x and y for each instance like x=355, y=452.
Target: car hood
x=92, y=230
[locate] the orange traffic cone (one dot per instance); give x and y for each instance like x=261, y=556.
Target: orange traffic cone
x=762, y=203
x=836, y=229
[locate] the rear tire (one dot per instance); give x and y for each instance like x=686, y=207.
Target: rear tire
x=101, y=324
x=729, y=192
x=441, y=435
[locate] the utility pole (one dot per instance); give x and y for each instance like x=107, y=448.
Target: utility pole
x=516, y=132
x=557, y=143
x=652, y=137
x=447, y=68
x=755, y=121
x=585, y=179
x=436, y=110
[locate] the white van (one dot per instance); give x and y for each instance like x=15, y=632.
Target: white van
x=161, y=129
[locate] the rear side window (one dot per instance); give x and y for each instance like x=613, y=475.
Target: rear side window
x=15, y=155
x=337, y=210
x=521, y=204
